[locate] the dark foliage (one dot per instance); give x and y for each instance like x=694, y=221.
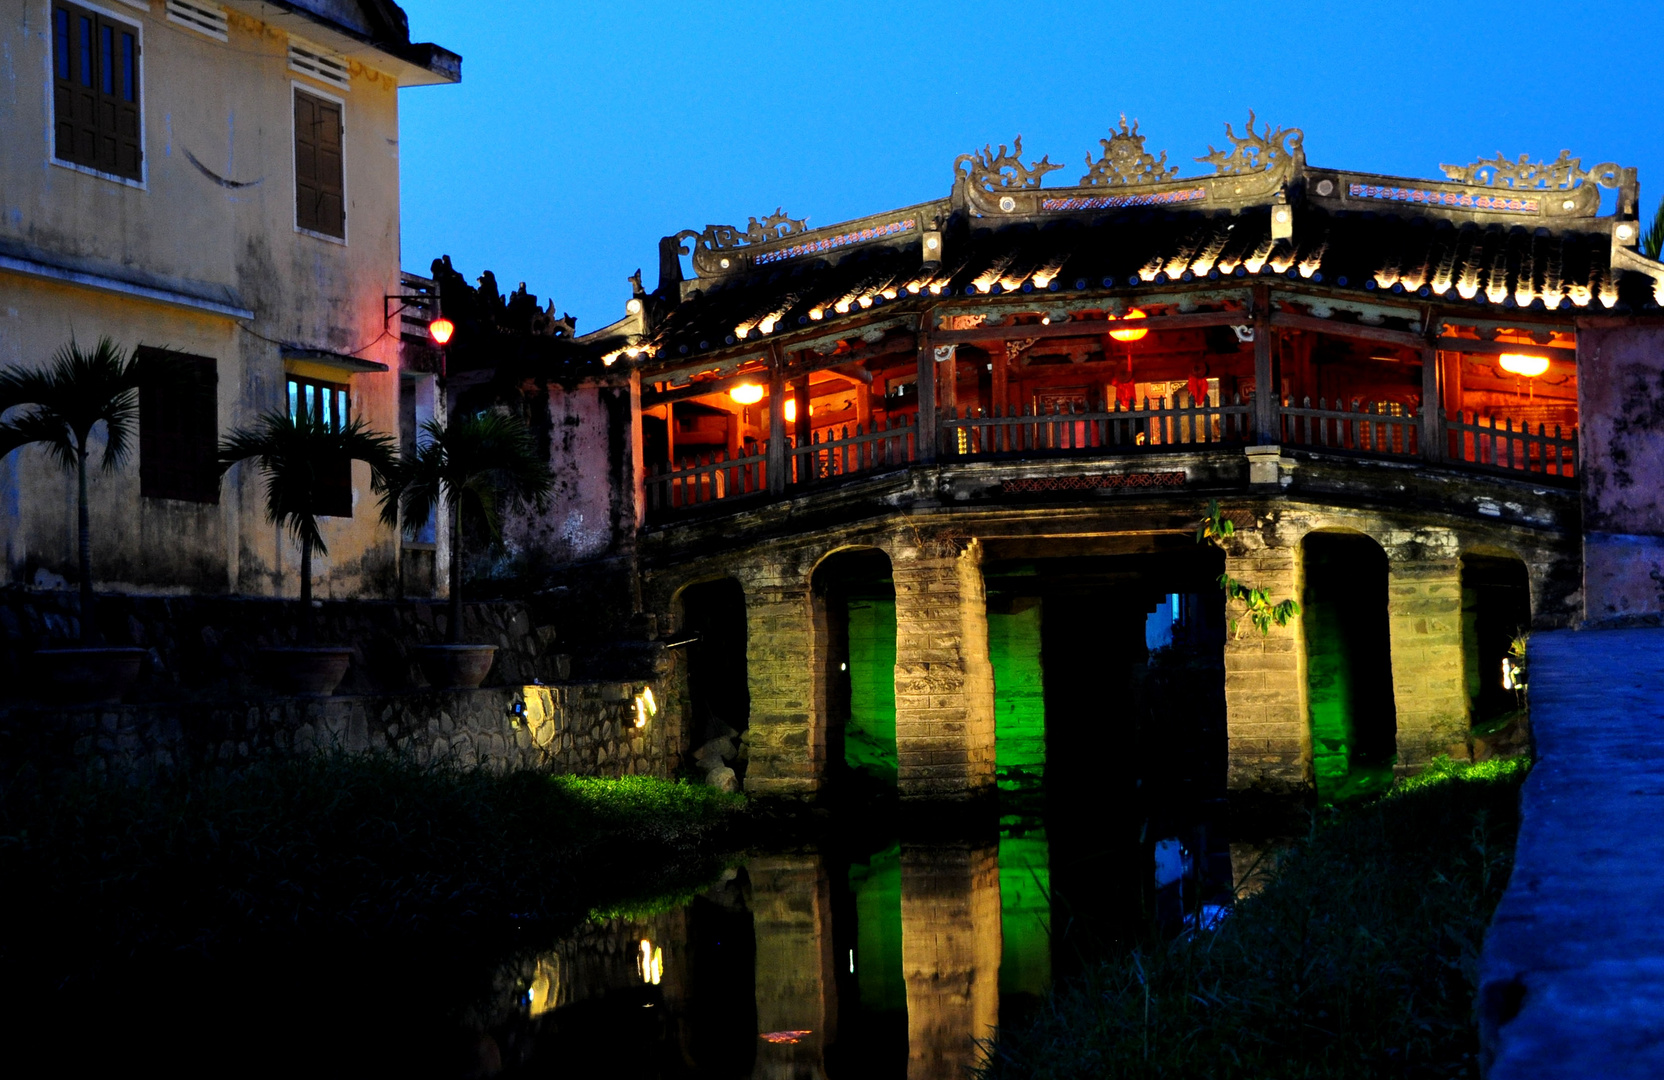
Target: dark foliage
x=1358, y=959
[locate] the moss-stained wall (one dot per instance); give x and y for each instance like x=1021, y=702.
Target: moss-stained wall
x=870, y=735
x=1019, y=695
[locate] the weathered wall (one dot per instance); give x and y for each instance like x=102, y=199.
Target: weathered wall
x=588, y=729
x=1620, y=400
x=590, y=513
x=223, y=225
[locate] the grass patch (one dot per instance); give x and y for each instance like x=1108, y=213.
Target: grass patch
x=1358, y=959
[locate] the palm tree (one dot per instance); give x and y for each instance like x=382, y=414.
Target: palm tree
x=488, y=462
x=63, y=404
x=297, y=455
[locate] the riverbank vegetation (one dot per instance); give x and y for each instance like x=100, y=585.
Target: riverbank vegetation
x=98, y=874
x=1357, y=959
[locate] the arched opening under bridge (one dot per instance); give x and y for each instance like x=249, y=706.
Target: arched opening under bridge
x=855, y=602
x=719, y=696
x=1354, y=722
x=1496, y=611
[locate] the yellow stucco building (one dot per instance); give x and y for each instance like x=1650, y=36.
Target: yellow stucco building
x=220, y=180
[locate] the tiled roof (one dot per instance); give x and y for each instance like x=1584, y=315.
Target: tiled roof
x=1391, y=251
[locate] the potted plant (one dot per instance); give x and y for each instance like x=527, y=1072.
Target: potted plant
x=62, y=406
x=484, y=463
x=297, y=455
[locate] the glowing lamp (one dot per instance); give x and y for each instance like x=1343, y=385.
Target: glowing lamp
x=1523, y=364
x=441, y=329
x=746, y=394
x=791, y=410
x=1131, y=335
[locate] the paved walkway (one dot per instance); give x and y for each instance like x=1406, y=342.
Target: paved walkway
x=1572, y=977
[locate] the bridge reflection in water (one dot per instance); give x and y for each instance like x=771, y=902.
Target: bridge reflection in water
x=851, y=962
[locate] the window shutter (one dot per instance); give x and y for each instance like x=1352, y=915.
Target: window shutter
x=320, y=205
x=178, y=433
x=96, y=90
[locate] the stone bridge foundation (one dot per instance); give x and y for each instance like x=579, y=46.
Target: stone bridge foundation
x=944, y=680
x=1424, y=619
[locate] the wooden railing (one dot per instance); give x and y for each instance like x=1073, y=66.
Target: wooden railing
x=837, y=453
x=1159, y=423
x=1365, y=427
x=1495, y=443
x=708, y=478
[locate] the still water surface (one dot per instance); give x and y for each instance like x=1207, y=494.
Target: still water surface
x=846, y=960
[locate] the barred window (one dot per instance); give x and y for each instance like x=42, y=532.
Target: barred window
x=327, y=403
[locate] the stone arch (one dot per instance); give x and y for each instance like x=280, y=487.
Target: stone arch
x=1349, y=660
x=853, y=664
x=1497, y=606
x=710, y=616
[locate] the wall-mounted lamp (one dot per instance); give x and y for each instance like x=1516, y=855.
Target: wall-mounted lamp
x=746, y=394
x=646, y=706
x=440, y=330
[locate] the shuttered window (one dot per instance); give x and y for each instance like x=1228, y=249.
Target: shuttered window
x=320, y=205
x=95, y=91
x=178, y=432
x=326, y=403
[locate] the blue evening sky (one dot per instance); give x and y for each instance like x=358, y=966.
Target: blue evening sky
x=581, y=133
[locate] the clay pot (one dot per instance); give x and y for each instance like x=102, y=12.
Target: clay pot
x=89, y=676
x=305, y=672
x=455, y=667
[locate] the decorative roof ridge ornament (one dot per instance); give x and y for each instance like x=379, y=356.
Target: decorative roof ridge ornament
x=1004, y=171
x=1562, y=173
x=1126, y=162
x=1256, y=152
x=715, y=239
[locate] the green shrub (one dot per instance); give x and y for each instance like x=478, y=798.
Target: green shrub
x=1358, y=959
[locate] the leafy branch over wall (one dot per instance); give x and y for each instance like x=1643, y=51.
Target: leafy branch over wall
x=1256, y=603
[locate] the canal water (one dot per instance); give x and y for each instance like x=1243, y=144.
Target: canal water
x=851, y=959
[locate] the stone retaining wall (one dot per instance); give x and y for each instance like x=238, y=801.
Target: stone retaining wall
x=587, y=729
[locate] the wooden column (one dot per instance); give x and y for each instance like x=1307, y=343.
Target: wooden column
x=670, y=433
x=1265, y=387
x=776, y=454
x=927, y=392
x=999, y=385
x=863, y=406
x=1432, y=408
x=804, y=428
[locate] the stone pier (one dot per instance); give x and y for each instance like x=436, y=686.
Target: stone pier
x=786, y=746
x=796, y=996
x=1424, y=619
x=950, y=954
x=1265, y=676
x=944, y=680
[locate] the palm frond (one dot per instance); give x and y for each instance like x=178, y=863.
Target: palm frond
x=1652, y=243
x=79, y=390
x=297, y=455
x=485, y=463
